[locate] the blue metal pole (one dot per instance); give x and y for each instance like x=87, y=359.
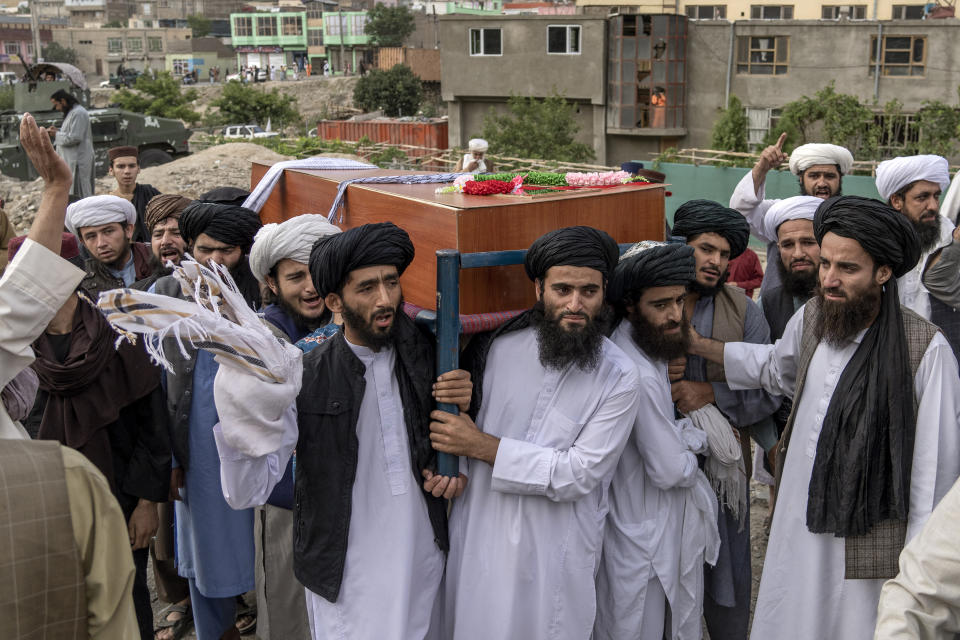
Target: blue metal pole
x=448, y=336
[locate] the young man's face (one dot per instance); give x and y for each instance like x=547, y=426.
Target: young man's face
x=798, y=246
x=294, y=287
x=125, y=170
x=821, y=181
x=369, y=304
x=572, y=296
x=166, y=242
x=108, y=243
x=206, y=248
x=712, y=253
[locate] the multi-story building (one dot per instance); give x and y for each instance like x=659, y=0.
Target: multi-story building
x=200, y=55
x=91, y=14
x=101, y=51
x=270, y=40
x=17, y=40
x=773, y=10
x=346, y=43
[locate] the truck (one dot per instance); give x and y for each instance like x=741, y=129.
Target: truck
x=159, y=140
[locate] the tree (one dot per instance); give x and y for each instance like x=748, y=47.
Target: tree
x=55, y=52
x=536, y=128
x=389, y=26
x=398, y=91
x=242, y=104
x=200, y=25
x=938, y=123
x=845, y=121
x=159, y=96
x=730, y=129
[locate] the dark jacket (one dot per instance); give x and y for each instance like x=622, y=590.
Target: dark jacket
x=328, y=408
x=99, y=279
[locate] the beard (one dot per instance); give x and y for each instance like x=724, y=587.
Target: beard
x=369, y=334
x=560, y=348
x=929, y=233
x=706, y=290
x=655, y=343
x=804, y=192
x=799, y=284
x=122, y=258
x=840, y=321
x=302, y=321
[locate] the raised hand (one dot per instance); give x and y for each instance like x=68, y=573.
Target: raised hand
x=770, y=158
x=36, y=143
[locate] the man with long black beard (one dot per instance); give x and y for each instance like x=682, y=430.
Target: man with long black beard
x=873, y=441
x=368, y=543
x=662, y=525
x=553, y=413
x=718, y=234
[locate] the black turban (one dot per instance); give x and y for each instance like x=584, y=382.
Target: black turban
x=572, y=247
x=706, y=216
x=881, y=230
x=335, y=256
x=225, y=223
x=225, y=195
x=653, y=264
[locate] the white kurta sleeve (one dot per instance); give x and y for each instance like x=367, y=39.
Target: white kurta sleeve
x=771, y=367
x=74, y=128
x=566, y=475
x=923, y=601
x=667, y=460
x=750, y=202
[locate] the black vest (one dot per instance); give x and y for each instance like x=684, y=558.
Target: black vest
x=778, y=308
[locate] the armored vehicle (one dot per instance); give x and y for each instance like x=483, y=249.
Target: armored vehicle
x=158, y=139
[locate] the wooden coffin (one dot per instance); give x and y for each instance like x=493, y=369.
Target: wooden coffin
x=468, y=224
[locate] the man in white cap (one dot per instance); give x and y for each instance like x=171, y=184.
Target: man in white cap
x=820, y=169
x=473, y=161
x=279, y=259
x=104, y=225
x=912, y=185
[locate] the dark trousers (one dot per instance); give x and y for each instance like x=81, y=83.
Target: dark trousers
x=141, y=594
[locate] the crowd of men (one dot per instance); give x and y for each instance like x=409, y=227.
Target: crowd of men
x=605, y=436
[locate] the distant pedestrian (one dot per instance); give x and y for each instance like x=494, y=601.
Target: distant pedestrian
x=74, y=141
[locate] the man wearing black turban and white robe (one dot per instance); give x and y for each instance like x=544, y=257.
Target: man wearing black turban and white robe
x=553, y=413
x=873, y=441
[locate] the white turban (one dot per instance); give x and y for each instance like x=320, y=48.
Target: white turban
x=808, y=155
x=478, y=144
x=893, y=175
x=97, y=210
x=795, y=208
x=291, y=239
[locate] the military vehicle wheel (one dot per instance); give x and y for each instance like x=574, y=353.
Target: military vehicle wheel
x=154, y=157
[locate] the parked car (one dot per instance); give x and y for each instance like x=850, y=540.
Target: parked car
x=247, y=131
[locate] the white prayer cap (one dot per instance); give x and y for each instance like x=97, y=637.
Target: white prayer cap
x=808, y=155
x=795, y=208
x=97, y=210
x=291, y=239
x=895, y=174
x=478, y=144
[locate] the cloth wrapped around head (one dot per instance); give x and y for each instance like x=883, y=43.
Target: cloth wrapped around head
x=893, y=175
x=97, y=210
x=651, y=264
x=334, y=256
x=572, y=247
x=795, y=208
x=226, y=223
x=883, y=232
x=477, y=144
x=706, y=216
x=163, y=206
x=225, y=195
x=293, y=239
x=808, y=155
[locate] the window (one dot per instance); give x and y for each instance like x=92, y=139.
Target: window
x=266, y=26
x=11, y=48
x=30, y=49
x=181, y=66
x=332, y=24
x=135, y=44
x=114, y=45
x=707, y=12
x=901, y=55
x=760, y=121
x=315, y=11
x=243, y=27
x=146, y=9
x=154, y=44
x=851, y=11
x=314, y=37
x=85, y=41
x=358, y=24
x=907, y=12
x=766, y=55
x=771, y=12
x=486, y=42
x=292, y=25
x=898, y=133
x=563, y=39
x=104, y=128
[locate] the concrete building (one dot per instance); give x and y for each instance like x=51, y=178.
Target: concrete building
x=771, y=10
x=17, y=40
x=270, y=40
x=200, y=55
x=346, y=42
x=101, y=51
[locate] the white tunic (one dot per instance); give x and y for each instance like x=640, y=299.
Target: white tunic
x=803, y=593
x=393, y=567
x=913, y=294
x=645, y=527
x=525, y=538
x=751, y=203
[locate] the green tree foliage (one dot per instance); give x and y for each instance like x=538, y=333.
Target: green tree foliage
x=56, y=52
x=730, y=129
x=200, y=25
x=939, y=124
x=398, y=91
x=535, y=128
x=844, y=121
x=159, y=95
x=389, y=26
x=6, y=98
x=243, y=104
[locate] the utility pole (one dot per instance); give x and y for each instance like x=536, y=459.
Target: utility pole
x=343, y=34
x=34, y=31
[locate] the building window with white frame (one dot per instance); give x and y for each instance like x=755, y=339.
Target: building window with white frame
x=135, y=45
x=849, y=11
x=707, y=11
x=180, y=66
x=763, y=55
x=267, y=26
x=114, y=45
x=760, y=121
x=11, y=48
x=908, y=12
x=154, y=44
x=486, y=42
x=771, y=12
x=563, y=39
x=243, y=27
x=292, y=26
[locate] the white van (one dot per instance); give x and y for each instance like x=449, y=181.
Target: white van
x=8, y=77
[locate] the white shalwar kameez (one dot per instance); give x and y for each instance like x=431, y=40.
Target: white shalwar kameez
x=646, y=531
x=803, y=593
x=525, y=538
x=753, y=205
x=913, y=295
x=393, y=567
